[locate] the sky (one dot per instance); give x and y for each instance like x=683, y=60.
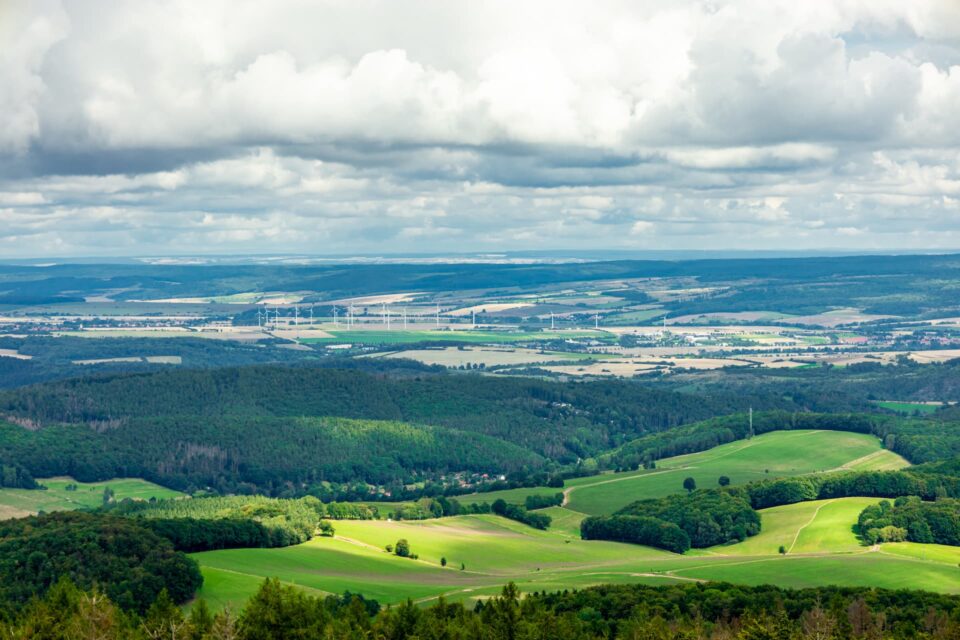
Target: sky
x=363, y=126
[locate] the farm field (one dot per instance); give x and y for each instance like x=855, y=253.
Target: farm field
x=779, y=453
x=494, y=550
x=375, y=336
x=487, y=356
x=15, y=503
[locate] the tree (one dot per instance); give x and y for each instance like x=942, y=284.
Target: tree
x=402, y=548
x=443, y=561
x=782, y=550
x=724, y=481
x=689, y=484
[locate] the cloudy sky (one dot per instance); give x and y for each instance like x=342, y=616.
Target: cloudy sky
x=185, y=127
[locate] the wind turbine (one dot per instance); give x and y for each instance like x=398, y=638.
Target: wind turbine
x=438, y=315
x=596, y=321
x=404, y=318
x=552, y=325
x=336, y=322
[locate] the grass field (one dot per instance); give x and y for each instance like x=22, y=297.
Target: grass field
x=780, y=453
x=493, y=551
x=15, y=503
x=909, y=407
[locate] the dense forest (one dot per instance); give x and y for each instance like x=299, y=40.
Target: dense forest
x=285, y=430
x=714, y=611
x=129, y=562
x=55, y=358
x=912, y=519
x=209, y=428
x=864, y=382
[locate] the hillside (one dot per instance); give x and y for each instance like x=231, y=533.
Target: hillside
x=266, y=426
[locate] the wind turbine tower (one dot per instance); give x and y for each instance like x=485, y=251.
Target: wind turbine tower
x=438, y=315
x=552, y=324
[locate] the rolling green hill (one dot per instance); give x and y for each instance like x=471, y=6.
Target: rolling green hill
x=774, y=454
x=65, y=494
x=495, y=550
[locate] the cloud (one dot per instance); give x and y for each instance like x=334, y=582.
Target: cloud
x=174, y=126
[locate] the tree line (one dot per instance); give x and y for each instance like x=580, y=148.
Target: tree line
x=715, y=611
x=912, y=519
x=708, y=517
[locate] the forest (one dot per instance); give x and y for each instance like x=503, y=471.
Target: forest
x=912, y=519
x=205, y=428
x=715, y=611
x=130, y=563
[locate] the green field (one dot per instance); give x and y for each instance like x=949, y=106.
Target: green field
x=780, y=453
x=493, y=550
x=908, y=407
x=16, y=503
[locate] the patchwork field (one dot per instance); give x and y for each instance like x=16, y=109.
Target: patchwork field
x=15, y=503
x=487, y=356
x=484, y=552
x=375, y=336
x=780, y=453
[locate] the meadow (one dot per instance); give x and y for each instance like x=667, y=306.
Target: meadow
x=484, y=552
x=15, y=503
x=909, y=407
x=775, y=454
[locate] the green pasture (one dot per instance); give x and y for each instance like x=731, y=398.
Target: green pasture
x=22, y=502
x=771, y=455
x=493, y=551
x=908, y=407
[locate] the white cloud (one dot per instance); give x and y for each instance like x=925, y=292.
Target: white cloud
x=218, y=126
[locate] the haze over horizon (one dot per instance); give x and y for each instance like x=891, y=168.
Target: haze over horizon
x=184, y=128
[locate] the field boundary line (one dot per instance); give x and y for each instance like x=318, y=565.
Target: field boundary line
x=808, y=523
x=568, y=491
x=264, y=577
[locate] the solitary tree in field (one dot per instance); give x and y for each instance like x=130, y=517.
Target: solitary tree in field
x=689, y=484
x=443, y=561
x=402, y=548
x=724, y=481
x=782, y=550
